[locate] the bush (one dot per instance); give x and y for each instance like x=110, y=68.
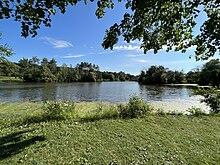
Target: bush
x=196, y=111
x=135, y=108
x=58, y=110
x=211, y=98
x=160, y=112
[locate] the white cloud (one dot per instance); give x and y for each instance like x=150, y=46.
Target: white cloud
x=127, y=48
x=101, y=53
x=140, y=60
x=74, y=56
x=57, y=43
x=135, y=55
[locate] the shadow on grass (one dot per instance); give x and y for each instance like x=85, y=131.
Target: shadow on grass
x=14, y=143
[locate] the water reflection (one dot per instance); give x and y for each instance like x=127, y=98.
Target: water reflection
x=102, y=91
x=161, y=93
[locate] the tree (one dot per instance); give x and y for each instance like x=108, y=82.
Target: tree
x=25, y=69
x=44, y=62
x=10, y=69
x=5, y=51
x=156, y=75
x=155, y=23
x=46, y=75
x=193, y=76
x=85, y=66
x=34, y=60
x=63, y=73
x=170, y=24
x=53, y=66
x=210, y=73
x=161, y=75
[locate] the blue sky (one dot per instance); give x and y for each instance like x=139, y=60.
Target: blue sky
x=76, y=37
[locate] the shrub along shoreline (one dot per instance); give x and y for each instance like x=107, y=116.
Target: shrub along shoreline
x=104, y=133
x=62, y=110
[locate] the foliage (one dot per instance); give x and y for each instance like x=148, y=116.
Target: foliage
x=10, y=69
x=154, y=24
x=5, y=51
x=169, y=23
x=58, y=110
x=211, y=98
x=36, y=70
x=160, y=112
x=102, y=111
x=193, y=76
x=136, y=107
x=161, y=75
x=210, y=73
x=194, y=111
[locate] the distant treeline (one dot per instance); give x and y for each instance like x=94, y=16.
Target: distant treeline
x=161, y=75
x=208, y=74
x=36, y=70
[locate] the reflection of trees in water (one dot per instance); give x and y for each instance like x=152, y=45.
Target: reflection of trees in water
x=89, y=91
x=49, y=92
x=151, y=92
x=21, y=92
x=103, y=91
x=73, y=92
x=159, y=93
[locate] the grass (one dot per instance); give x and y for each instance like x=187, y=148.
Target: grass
x=153, y=139
x=6, y=79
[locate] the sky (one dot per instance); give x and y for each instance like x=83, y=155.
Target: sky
x=76, y=36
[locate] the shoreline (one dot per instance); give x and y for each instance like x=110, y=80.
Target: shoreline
x=178, y=105
x=187, y=85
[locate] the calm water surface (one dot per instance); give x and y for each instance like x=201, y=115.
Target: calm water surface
x=99, y=91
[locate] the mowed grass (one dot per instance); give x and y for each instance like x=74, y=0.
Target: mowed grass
x=7, y=78
x=154, y=139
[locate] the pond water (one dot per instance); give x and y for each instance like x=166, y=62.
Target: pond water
x=98, y=91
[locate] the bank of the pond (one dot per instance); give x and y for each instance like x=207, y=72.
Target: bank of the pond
x=178, y=106
x=10, y=79
x=181, y=106
x=186, y=85
x=154, y=139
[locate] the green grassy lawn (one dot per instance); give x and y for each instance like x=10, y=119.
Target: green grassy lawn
x=154, y=139
x=6, y=78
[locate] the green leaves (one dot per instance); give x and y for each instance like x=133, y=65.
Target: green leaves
x=5, y=51
x=211, y=97
x=156, y=23
x=170, y=23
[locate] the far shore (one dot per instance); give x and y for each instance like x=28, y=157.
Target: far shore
x=187, y=85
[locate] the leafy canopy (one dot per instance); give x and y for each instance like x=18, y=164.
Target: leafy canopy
x=156, y=24
x=5, y=51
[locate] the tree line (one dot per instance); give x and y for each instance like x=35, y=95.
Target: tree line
x=161, y=75
x=36, y=70
x=208, y=74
